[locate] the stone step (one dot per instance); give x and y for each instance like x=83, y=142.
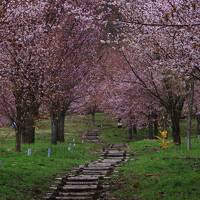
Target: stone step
x=89, y=193
x=115, y=152
x=103, y=165
x=114, y=156
x=93, y=140
x=89, y=182
x=81, y=183
x=89, y=172
x=92, y=135
x=83, y=178
x=120, y=157
x=97, y=168
x=111, y=160
x=74, y=198
x=79, y=187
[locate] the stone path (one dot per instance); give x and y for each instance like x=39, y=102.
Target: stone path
x=90, y=182
x=92, y=136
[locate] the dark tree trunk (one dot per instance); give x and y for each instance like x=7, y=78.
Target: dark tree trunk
x=18, y=140
x=164, y=124
x=61, y=127
x=198, y=124
x=93, y=119
x=150, y=127
x=135, y=129
x=130, y=132
x=28, y=133
x=19, y=127
x=175, y=119
x=176, y=110
x=155, y=128
x=27, y=109
x=28, y=123
x=190, y=115
x=54, y=129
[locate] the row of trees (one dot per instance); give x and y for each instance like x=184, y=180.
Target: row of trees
x=47, y=51
x=158, y=60
x=137, y=60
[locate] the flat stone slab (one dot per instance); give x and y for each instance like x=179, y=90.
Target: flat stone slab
x=83, y=178
x=79, y=187
x=97, y=168
x=91, y=136
x=89, y=193
x=81, y=183
x=74, y=198
x=112, y=161
x=94, y=141
x=113, y=151
x=103, y=165
x=121, y=157
x=89, y=172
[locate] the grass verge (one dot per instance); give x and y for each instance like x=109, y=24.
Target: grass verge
x=28, y=177
x=154, y=174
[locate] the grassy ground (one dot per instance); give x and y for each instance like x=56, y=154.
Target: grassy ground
x=150, y=174
x=27, y=177
x=153, y=173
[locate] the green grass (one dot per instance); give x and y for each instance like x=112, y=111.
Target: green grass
x=150, y=174
x=28, y=177
x=111, y=134
x=154, y=174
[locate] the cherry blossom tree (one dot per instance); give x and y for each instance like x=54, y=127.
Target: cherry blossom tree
x=50, y=55
x=26, y=29
x=163, y=64
x=22, y=62
x=125, y=98
x=73, y=51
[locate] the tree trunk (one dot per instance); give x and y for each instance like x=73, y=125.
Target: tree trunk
x=93, y=119
x=190, y=114
x=28, y=123
x=28, y=133
x=54, y=129
x=164, y=122
x=18, y=127
x=135, y=129
x=61, y=127
x=198, y=123
x=130, y=132
x=175, y=119
x=150, y=127
x=155, y=128
x=18, y=140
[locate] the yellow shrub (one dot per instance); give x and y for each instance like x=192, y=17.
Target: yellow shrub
x=164, y=143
